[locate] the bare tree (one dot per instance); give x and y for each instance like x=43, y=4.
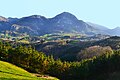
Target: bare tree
x=94, y=51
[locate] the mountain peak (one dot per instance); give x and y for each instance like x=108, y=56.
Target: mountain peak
x=66, y=15
x=117, y=27
x=36, y=16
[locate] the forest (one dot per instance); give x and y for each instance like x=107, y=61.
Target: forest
x=93, y=63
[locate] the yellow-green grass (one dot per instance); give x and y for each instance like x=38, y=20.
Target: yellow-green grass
x=24, y=41
x=11, y=72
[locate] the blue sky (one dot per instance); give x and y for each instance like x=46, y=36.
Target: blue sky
x=103, y=12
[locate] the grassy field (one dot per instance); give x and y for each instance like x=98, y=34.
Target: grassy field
x=12, y=72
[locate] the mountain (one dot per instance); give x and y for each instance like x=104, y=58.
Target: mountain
x=33, y=25
x=114, y=32
x=99, y=27
x=4, y=24
x=65, y=22
x=68, y=23
x=61, y=23
x=12, y=20
x=39, y=25
x=3, y=19
x=105, y=30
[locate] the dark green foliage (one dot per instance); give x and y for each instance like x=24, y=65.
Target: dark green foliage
x=113, y=42
x=4, y=47
x=94, y=68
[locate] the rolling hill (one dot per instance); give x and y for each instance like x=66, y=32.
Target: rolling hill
x=12, y=72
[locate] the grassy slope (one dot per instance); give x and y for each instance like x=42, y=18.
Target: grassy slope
x=12, y=72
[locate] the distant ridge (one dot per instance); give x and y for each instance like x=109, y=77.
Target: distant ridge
x=36, y=25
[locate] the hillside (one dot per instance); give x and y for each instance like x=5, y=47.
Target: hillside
x=12, y=72
x=105, y=66
x=113, y=42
